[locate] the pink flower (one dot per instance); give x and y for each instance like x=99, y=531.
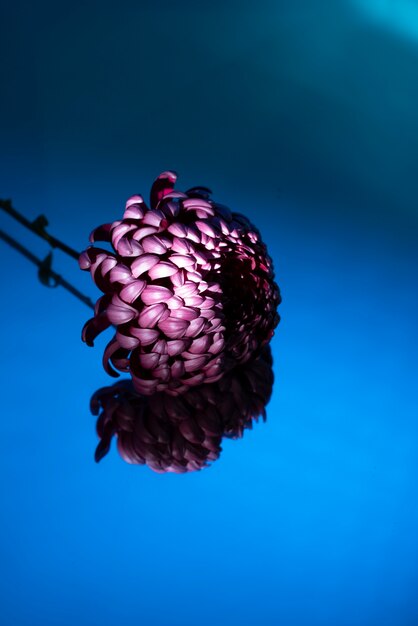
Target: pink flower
x=182, y=433
x=189, y=287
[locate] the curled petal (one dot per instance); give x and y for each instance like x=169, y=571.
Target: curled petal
x=151, y=315
x=174, y=328
x=143, y=263
x=162, y=186
x=155, y=293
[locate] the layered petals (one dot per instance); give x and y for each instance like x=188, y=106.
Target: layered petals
x=188, y=286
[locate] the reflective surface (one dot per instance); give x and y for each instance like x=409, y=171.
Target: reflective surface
x=305, y=120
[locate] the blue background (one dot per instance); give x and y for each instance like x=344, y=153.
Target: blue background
x=304, y=116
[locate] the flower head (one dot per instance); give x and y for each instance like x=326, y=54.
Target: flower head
x=189, y=287
x=182, y=433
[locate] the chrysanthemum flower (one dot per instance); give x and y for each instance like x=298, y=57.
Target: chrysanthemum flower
x=189, y=287
x=182, y=433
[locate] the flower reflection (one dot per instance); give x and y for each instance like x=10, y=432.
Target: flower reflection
x=182, y=433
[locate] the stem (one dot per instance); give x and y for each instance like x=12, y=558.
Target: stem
x=44, y=267
x=38, y=227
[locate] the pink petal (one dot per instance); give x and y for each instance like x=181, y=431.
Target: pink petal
x=149, y=361
x=154, y=294
x=153, y=218
x=206, y=228
x=128, y=248
x=175, y=303
x=174, y=328
x=182, y=260
x=129, y=343
x=197, y=203
x=194, y=301
x=132, y=291
x=162, y=270
x=94, y=327
x=144, y=263
x=162, y=186
x=120, y=274
x=154, y=244
x=120, y=314
x=151, y=315
x=146, y=336
x=102, y=233
x=144, y=231
x=178, y=230
x=182, y=246
x=217, y=346
x=192, y=365
x=193, y=234
x=135, y=208
x=208, y=303
x=200, y=345
x=177, y=346
x=84, y=260
x=186, y=290
x=177, y=369
x=111, y=348
x=184, y=313
x=121, y=229
x=196, y=326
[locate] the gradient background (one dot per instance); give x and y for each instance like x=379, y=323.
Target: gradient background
x=304, y=115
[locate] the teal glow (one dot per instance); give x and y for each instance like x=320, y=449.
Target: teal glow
x=400, y=16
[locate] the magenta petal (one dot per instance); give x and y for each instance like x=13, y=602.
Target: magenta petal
x=84, y=260
x=175, y=303
x=112, y=347
x=142, y=232
x=120, y=274
x=186, y=290
x=206, y=228
x=196, y=326
x=191, y=365
x=135, y=208
x=149, y=361
x=146, y=336
x=179, y=230
x=198, y=203
x=151, y=315
x=127, y=342
x=153, y=294
x=120, y=314
x=147, y=387
x=177, y=346
x=132, y=291
x=182, y=260
x=102, y=233
x=200, y=345
x=144, y=263
x=177, y=369
x=162, y=185
x=184, y=313
x=217, y=346
x=120, y=230
x=94, y=327
x=153, y=218
x=154, y=245
x=174, y=328
x=163, y=269
x=182, y=246
x=128, y=247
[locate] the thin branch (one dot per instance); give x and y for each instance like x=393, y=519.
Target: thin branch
x=46, y=274
x=38, y=227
